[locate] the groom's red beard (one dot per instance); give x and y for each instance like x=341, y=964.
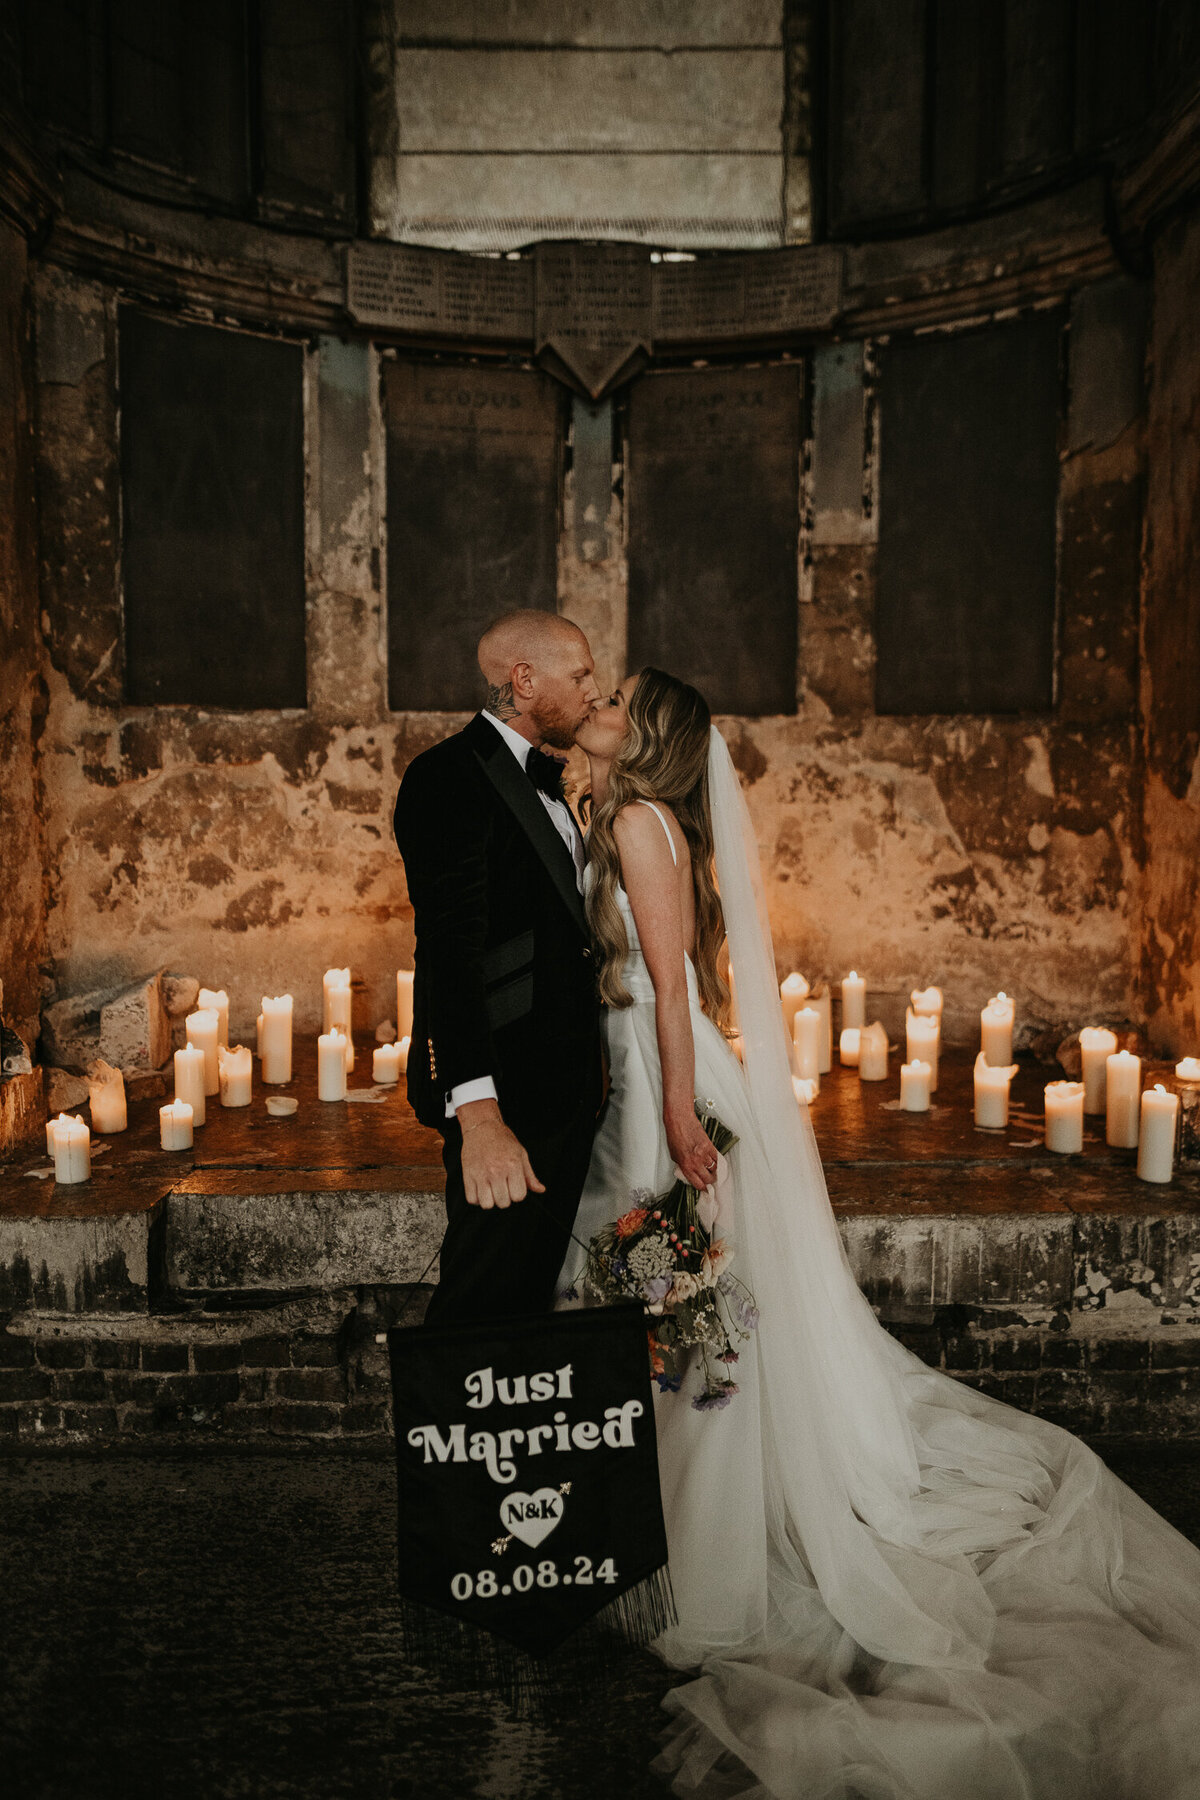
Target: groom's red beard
x=556, y=725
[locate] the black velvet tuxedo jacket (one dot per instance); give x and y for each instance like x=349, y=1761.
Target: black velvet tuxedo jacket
x=505, y=977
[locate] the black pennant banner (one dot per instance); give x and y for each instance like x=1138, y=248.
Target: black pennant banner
x=529, y=1507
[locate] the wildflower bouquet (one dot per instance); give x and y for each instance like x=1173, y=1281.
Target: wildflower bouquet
x=665, y=1252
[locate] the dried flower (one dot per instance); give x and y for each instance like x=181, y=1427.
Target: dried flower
x=631, y=1221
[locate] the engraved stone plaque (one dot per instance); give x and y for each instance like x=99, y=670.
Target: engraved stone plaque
x=440, y=293
x=593, y=309
x=767, y=294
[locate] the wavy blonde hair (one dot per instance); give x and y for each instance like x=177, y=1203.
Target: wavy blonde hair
x=664, y=757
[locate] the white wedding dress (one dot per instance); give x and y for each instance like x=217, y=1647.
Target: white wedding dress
x=894, y=1587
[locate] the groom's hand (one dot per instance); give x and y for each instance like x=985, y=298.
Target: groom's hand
x=496, y=1170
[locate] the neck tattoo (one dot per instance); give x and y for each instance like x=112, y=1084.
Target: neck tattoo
x=500, y=703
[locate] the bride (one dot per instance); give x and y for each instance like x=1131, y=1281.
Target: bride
x=891, y=1585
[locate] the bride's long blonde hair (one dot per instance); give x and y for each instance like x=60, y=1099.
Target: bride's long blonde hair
x=664, y=757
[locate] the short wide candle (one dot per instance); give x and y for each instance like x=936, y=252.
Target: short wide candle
x=1156, y=1140
x=331, y=1065
x=848, y=1046
x=873, y=1053
x=385, y=1064
x=854, y=1001
x=1096, y=1045
x=72, y=1151
x=1123, y=1089
x=106, y=1094
x=175, y=1125
x=991, y=1093
x=236, y=1071
x=1064, y=1117
x=914, y=1086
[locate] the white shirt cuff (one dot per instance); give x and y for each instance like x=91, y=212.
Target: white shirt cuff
x=484, y=1088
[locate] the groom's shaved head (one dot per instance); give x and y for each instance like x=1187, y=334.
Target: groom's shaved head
x=540, y=676
x=527, y=636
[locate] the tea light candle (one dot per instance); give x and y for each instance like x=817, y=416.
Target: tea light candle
x=872, y=1053
x=216, y=1000
x=189, y=1080
x=277, y=1039
x=806, y=1027
x=914, y=1086
x=331, y=1065
x=338, y=1007
x=236, y=1072
x=854, y=1001
x=805, y=1091
x=1064, y=1117
x=1123, y=1088
x=820, y=1000
x=1096, y=1045
x=793, y=992
x=848, y=1046
x=385, y=1064
x=996, y=1030
x=927, y=1002
x=991, y=1094
x=1159, y=1122
x=923, y=1036
x=175, y=1125
x=404, y=1003
x=106, y=1096
x=201, y=1029
x=72, y=1151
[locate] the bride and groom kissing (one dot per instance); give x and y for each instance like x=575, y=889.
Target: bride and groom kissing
x=890, y=1583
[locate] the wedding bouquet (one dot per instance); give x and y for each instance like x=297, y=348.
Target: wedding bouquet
x=665, y=1252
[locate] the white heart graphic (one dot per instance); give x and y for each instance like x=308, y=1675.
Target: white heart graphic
x=532, y=1517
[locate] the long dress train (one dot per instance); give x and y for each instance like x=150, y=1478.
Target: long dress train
x=894, y=1587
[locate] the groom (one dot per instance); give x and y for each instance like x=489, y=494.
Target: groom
x=505, y=1057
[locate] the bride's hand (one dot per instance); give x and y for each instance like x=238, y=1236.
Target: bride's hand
x=694, y=1152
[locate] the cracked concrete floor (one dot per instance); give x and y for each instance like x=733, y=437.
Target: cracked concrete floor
x=187, y=1621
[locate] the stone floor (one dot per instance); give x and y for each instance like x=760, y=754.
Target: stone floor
x=197, y=1623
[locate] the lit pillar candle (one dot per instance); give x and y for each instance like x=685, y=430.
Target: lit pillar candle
x=201, y=1029
x=1096, y=1045
x=854, y=1001
x=914, y=1086
x=331, y=1065
x=1156, y=1140
x=52, y=1126
x=821, y=1001
x=1187, y=1082
x=106, y=1097
x=404, y=1003
x=806, y=1029
x=277, y=1039
x=1064, y=1117
x=927, y=1002
x=805, y=1091
x=991, y=1093
x=189, y=1080
x=872, y=1053
x=385, y=1064
x=236, y=1072
x=175, y=1125
x=72, y=1151
x=793, y=992
x=996, y=1030
x=922, y=1035
x=1122, y=1093
x=338, y=1009
x=216, y=1000
x=848, y=1046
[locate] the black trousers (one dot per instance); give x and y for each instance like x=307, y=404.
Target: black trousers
x=501, y=1262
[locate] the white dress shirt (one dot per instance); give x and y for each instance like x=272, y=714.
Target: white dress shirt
x=484, y=1088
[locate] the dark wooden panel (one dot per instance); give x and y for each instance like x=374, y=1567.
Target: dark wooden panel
x=876, y=112
x=968, y=486
x=966, y=44
x=146, y=81
x=713, y=509
x=212, y=473
x=473, y=459
x=306, y=50
x=216, y=99
x=64, y=60
x=1113, y=68
x=1038, y=83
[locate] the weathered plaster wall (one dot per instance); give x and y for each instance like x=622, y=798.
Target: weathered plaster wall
x=22, y=901
x=1170, y=851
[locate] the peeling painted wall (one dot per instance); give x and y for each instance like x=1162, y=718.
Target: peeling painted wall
x=1170, y=849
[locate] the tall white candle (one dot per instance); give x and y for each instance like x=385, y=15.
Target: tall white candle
x=854, y=1001
x=404, y=1003
x=189, y=1080
x=1123, y=1090
x=914, y=1086
x=216, y=1000
x=1064, y=1117
x=793, y=992
x=72, y=1150
x=821, y=1000
x=277, y=1039
x=385, y=1064
x=991, y=1093
x=996, y=1030
x=175, y=1125
x=331, y=1065
x=927, y=1002
x=1156, y=1139
x=923, y=1037
x=338, y=1008
x=1096, y=1045
x=236, y=1071
x=806, y=1036
x=258, y=1041
x=201, y=1027
x=848, y=1046
x=872, y=1053
x=106, y=1097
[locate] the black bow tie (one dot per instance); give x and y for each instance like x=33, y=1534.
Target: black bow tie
x=546, y=773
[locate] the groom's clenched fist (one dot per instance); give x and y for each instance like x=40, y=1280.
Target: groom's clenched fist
x=496, y=1170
